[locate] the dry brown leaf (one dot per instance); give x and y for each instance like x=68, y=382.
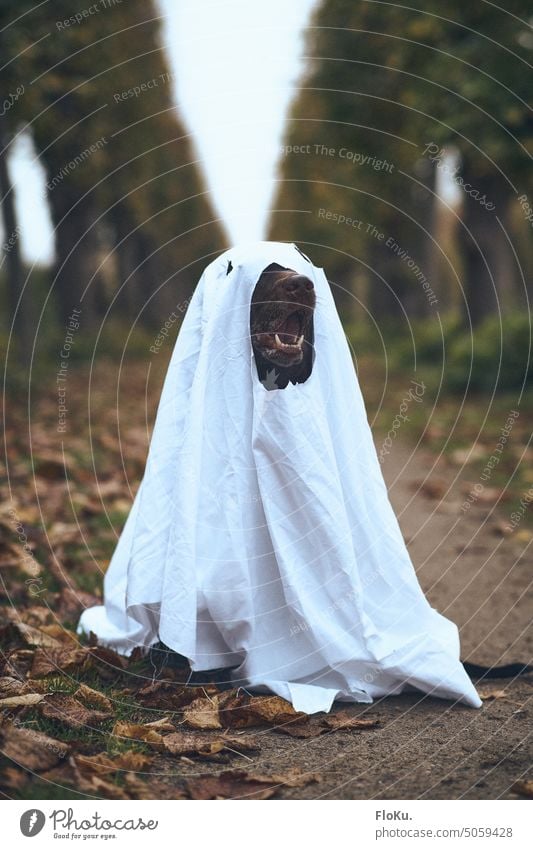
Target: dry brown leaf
x=231, y=784
x=153, y=789
x=104, y=763
x=36, y=615
x=24, y=700
x=60, y=634
x=239, y=784
x=342, y=721
x=167, y=695
x=51, y=661
x=190, y=743
x=523, y=788
x=93, y=698
x=71, y=712
x=134, y=731
x=488, y=695
x=202, y=714
x=14, y=778
x=31, y=749
x=36, y=637
x=163, y=724
x=244, y=711
x=18, y=663
x=296, y=778
x=12, y=687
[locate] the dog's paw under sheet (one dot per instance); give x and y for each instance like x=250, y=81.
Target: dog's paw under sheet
x=262, y=537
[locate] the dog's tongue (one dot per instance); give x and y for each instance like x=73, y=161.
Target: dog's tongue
x=290, y=329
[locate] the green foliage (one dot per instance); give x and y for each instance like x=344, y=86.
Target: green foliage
x=383, y=83
x=497, y=356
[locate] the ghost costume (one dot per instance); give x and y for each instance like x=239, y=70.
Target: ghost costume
x=262, y=538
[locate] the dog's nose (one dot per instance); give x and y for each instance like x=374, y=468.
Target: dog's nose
x=297, y=284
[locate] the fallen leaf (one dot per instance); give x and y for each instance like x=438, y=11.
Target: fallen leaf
x=135, y=731
x=62, y=635
x=166, y=695
x=231, y=784
x=71, y=712
x=244, y=711
x=104, y=763
x=342, y=721
x=24, y=700
x=93, y=698
x=18, y=663
x=523, y=788
x=238, y=784
x=202, y=714
x=12, y=687
x=163, y=724
x=488, y=695
x=189, y=743
x=31, y=749
x=51, y=661
x=317, y=725
x=36, y=637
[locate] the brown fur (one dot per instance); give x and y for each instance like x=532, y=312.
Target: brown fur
x=283, y=303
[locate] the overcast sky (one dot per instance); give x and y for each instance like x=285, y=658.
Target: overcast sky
x=236, y=64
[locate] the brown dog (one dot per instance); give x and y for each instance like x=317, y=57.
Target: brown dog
x=281, y=327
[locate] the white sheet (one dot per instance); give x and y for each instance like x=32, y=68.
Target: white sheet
x=262, y=536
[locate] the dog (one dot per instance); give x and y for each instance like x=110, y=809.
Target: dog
x=282, y=327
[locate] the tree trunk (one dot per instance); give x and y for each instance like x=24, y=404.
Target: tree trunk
x=18, y=313
x=489, y=266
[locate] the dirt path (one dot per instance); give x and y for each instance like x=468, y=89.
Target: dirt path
x=427, y=748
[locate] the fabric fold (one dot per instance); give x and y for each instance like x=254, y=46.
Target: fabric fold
x=262, y=538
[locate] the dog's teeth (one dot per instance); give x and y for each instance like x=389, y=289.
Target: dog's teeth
x=300, y=341
x=278, y=341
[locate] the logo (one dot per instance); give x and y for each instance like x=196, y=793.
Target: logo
x=32, y=822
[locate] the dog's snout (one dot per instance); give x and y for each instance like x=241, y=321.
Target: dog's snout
x=298, y=284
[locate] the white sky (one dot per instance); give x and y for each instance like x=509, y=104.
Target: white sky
x=236, y=65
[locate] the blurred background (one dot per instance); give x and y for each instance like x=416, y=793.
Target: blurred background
x=393, y=144
x=138, y=139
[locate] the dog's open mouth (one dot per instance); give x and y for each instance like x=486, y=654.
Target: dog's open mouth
x=288, y=338
x=281, y=325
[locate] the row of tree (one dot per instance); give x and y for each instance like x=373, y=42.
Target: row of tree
x=398, y=103
x=132, y=219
